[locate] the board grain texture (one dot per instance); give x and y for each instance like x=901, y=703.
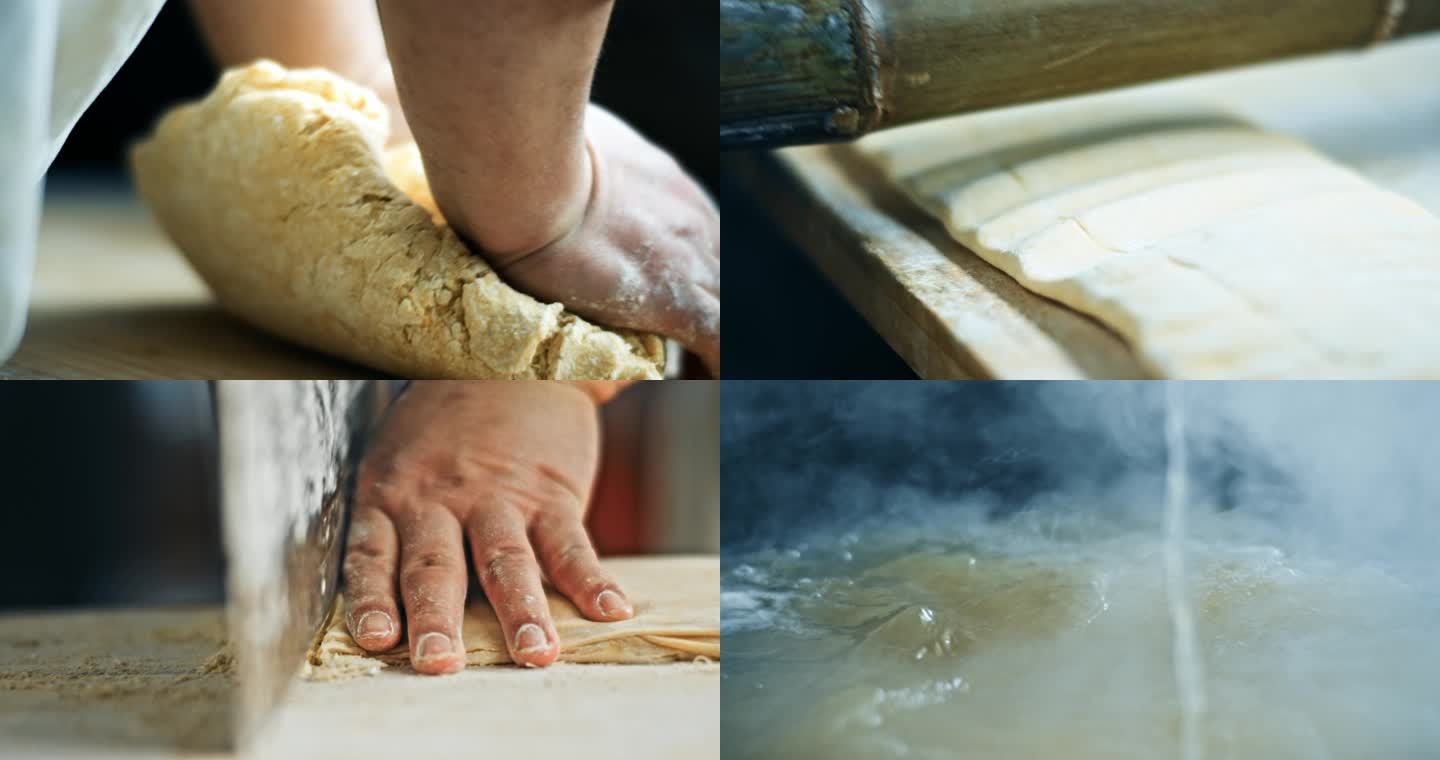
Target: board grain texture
x=113, y=299
x=133, y=683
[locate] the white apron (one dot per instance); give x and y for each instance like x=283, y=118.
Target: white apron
x=55, y=57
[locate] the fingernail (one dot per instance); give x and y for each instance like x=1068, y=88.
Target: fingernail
x=433, y=645
x=530, y=639
x=612, y=604
x=375, y=625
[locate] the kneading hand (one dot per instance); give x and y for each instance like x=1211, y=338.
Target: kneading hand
x=506, y=466
x=646, y=254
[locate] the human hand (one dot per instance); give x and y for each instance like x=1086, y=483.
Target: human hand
x=507, y=466
x=645, y=256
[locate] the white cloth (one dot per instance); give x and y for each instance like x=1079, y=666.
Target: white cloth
x=55, y=57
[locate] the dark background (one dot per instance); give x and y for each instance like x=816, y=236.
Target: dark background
x=656, y=71
x=804, y=457
x=109, y=493
x=786, y=320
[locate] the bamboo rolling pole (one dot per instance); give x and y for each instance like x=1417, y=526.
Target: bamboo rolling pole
x=805, y=71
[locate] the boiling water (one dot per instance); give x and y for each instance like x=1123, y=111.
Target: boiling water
x=1054, y=634
x=1189, y=681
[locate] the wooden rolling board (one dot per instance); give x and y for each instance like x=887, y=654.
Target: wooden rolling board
x=946, y=311
x=951, y=315
x=127, y=683
x=143, y=683
x=112, y=684
x=589, y=712
x=113, y=299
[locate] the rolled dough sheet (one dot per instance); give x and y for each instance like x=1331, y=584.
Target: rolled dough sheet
x=276, y=189
x=677, y=619
x=1214, y=248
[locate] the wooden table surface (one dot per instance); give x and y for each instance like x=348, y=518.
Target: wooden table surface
x=950, y=314
x=113, y=299
x=129, y=683
x=945, y=310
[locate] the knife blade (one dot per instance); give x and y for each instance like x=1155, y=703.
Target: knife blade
x=288, y=449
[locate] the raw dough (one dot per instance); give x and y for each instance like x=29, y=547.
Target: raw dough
x=276, y=189
x=677, y=618
x=1215, y=249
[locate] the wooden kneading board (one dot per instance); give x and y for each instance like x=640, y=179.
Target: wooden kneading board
x=946, y=311
x=130, y=683
x=949, y=314
x=113, y=299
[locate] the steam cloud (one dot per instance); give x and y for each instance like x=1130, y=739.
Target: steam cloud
x=1341, y=468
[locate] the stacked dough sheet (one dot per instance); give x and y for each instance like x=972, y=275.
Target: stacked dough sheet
x=1215, y=249
x=677, y=619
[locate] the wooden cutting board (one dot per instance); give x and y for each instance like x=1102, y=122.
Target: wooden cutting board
x=113, y=299
x=949, y=314
x=128, y=683
x=942, y=308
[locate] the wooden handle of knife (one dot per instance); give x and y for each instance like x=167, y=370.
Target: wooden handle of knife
x=802, y=71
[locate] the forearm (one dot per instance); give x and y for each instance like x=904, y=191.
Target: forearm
x=340, y=35
x=496, y=94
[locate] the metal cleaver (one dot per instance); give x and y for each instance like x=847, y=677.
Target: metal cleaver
x=288, y=450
